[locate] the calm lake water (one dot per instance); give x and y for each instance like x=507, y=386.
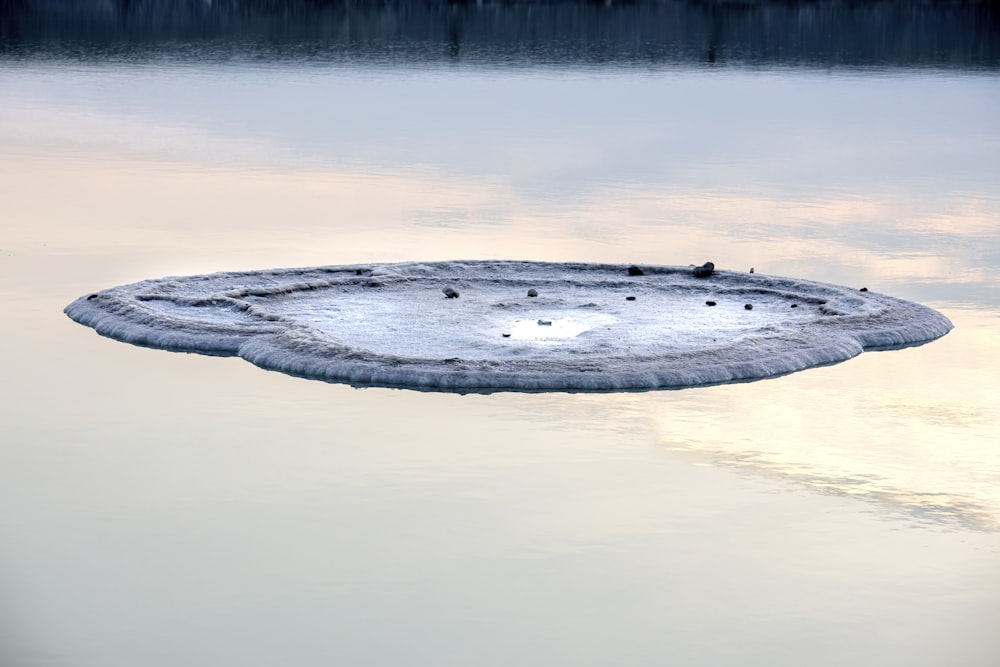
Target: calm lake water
x=163, y=509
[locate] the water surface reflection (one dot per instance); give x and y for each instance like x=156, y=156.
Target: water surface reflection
x=163, y=509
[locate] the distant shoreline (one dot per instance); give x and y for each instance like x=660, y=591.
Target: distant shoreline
x=953, y=35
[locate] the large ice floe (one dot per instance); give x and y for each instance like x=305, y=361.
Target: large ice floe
x=481, y=326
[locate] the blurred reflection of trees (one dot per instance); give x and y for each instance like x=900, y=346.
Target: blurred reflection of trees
x=820, y=33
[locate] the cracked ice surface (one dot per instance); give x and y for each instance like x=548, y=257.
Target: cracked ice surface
x=391, y=325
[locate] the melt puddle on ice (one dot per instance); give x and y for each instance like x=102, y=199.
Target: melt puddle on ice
x=551, y=330
x=511, y=326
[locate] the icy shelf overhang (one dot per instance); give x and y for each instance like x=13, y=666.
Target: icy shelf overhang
x=591, y=327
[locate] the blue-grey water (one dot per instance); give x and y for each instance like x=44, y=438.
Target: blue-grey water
x=163, y=509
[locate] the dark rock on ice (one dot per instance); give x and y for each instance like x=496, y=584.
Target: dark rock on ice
x=544, y=323
x=532, y=292
x=450, y=292
x=748, y=306
x=864, y=289
x=709, y=303
x=630, y=298
x=635, y=271
x=703, y=271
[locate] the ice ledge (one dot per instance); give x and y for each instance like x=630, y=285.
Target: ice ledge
x=600, y=327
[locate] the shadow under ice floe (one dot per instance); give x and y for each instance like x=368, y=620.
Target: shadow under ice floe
x=472, y=326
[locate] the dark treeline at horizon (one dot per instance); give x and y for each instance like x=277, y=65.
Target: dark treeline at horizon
x=950, y=34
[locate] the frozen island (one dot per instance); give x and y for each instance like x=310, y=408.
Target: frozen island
x=485, y=326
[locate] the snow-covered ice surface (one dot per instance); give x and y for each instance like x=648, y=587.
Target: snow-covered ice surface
x=392, y=325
